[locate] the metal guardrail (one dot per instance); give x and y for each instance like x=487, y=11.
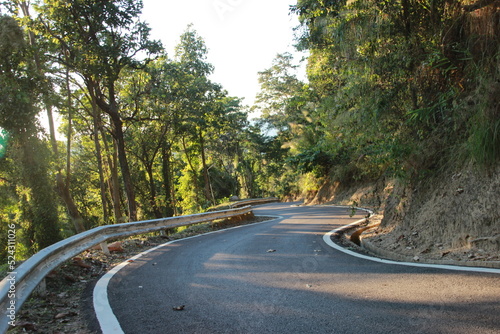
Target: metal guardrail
x=254, y=201
x=17, y=286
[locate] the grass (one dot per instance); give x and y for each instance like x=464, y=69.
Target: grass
x=485, y=143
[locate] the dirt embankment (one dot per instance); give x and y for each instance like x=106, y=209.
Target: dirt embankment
x=451, y=216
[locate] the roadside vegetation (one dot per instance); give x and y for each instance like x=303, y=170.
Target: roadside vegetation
x=142, y=134
x=395, y=89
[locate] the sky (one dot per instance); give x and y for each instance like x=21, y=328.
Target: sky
x=242, y=36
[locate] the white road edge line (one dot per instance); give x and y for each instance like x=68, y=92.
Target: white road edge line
x=328, y=240
x=107, y=320
x=109, y=323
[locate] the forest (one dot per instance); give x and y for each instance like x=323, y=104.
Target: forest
x=394, y=88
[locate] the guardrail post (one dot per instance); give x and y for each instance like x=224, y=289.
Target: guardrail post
x=104, y=248
x=41, y=288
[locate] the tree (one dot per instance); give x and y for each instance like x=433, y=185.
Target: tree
x=388, y=81
x=145, y=100
x=198, y=101
x=40, y=48
x=278, y=85
x=21, y=88
x=101, y=39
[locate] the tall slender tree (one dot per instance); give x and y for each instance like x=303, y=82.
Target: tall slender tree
x=101, y=38
x=198, y=98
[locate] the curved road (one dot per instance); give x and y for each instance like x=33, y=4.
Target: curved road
x=281, y=277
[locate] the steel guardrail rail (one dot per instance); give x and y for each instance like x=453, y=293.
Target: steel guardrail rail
x=17, y=286
x=254, y=201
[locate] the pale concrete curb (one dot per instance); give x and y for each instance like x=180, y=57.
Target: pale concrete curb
x=388, y=257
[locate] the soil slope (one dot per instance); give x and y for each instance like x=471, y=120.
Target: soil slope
x=451, y=216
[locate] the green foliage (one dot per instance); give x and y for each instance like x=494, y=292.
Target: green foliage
x=4, y=141
x=96, y=31
x=386, y=91
x=27, y=156
x=191, y=201
x=312, y=160
x=19, y=83
x=40, y=207
x=484, y=140
x=308, y=184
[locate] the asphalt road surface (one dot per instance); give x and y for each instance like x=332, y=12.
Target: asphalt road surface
x=281, y=277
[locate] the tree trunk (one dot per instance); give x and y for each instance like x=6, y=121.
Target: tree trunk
x=122, y=158
x=166, y=173
x=152, y=191
x=69, y=134
x=100, y=168
x=406, y=17
x=52, y=131
x=64, y=186
x=114, y=185
x=195, y=175
x=111, y=108
x=206, y=177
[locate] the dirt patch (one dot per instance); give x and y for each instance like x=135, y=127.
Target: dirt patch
x=454, y=216
x=66, y=304
x=451, y=216
x=369, y=195
x=416, y=250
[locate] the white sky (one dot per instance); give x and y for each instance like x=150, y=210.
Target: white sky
x=242, y=36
